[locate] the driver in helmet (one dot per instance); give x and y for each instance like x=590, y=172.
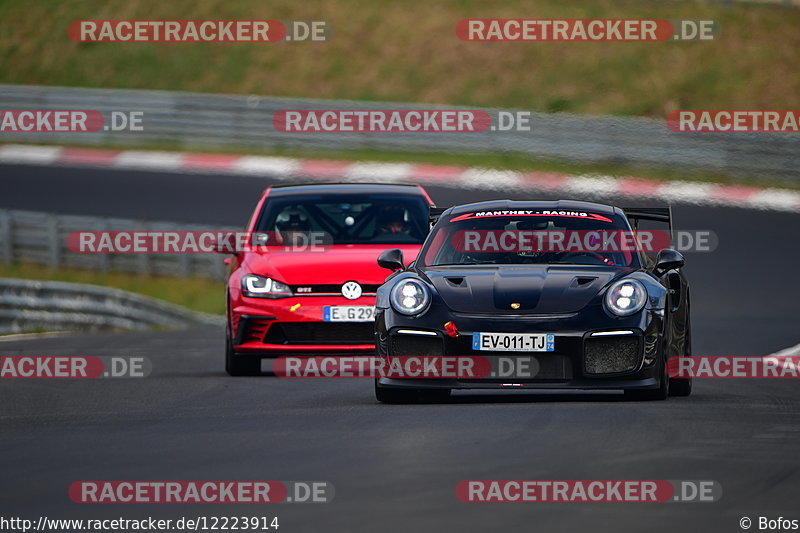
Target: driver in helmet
x=294, y=227
x=391, y=220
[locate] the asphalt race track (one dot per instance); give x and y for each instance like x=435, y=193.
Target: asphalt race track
x=395, y=468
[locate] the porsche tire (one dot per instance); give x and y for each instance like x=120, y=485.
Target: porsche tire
x=683, y=386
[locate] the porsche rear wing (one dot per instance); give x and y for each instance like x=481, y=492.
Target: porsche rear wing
x=434, y=213
x=655, y=214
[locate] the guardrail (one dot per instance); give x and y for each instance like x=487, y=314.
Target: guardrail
x=27, y=305
x=41, y=238
x=193, y=120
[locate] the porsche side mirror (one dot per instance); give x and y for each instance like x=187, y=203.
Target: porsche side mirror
x=668, y=259
x=391, y=259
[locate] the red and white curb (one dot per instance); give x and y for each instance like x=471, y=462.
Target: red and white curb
x=576, y=186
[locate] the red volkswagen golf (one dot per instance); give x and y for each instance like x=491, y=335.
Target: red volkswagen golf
x=307, y=284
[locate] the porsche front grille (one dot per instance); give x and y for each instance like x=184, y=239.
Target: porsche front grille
x=608, y=355
x=416, y=346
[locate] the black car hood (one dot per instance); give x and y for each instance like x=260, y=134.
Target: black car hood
x=536, y=288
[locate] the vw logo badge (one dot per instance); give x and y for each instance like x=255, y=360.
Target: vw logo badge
x=351, y=290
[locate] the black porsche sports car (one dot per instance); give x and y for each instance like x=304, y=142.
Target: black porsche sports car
x=586, y=317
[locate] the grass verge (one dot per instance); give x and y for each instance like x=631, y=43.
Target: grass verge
x=409, y=52
x=197, y=294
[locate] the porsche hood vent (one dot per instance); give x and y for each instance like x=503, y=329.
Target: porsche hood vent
x=531, y=289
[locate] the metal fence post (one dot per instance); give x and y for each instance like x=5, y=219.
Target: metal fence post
x=54, y=242
x=5, y=236
x=103, y=261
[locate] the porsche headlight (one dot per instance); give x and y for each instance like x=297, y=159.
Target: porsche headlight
x=410, y=296
x=626, y=297
x=256, y=286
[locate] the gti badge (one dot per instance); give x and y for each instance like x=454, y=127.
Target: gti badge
x=515, y=305
x=351, y=290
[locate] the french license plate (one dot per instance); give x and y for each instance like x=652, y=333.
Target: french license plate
x=513, y=342
x=348, y=313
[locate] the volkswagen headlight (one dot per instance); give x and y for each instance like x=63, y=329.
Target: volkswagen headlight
x=256, y=286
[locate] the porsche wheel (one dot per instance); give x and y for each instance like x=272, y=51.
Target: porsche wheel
x=683, y=386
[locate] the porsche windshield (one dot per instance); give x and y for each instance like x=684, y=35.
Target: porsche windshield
x=348, y=219
x=533, y=237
